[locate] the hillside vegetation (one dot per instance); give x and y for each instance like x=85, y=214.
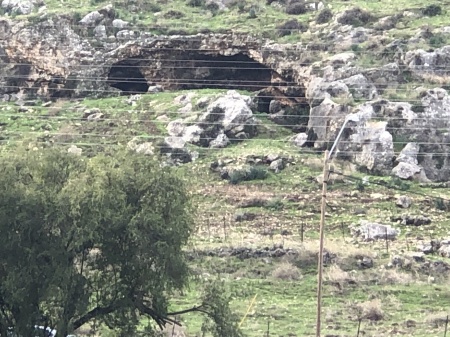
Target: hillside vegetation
x=257, y=226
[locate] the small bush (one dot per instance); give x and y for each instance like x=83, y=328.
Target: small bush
x=213, y=7
x=324, y=16
x=275, y=204
x=239, y=4
x=252, y=13
x=257, y=173
x=153, y=7
x=174, y=15
x=287, y=272
x=355, y=17
x=296, y=8
x=371, y=310
x=196, y=3
x=253, y=173
x=437, y=41
x=432, y=10
x=291, y=26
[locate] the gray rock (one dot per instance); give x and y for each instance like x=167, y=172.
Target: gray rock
x=275, y=106
x=360, y=87
x=125, y=35
x=176, y=128
x=120, y=24
x=175, y=150
x=370, y=231
x=100, y=32
x=403, y=201
x=231, y=114
x=365, y=262
x=406, y=170
x=276, y=165
x=73, y=149
x=299, y=140
x=384, y=78
x=325, y=121
x=371, y=144
x=193, y=134
x=409, y=154
x=408, y=220
x=95, y=117
x=154, y=89
x=92, y=19
x=272, y=157
x=444, y=250
x=145, y=148
x=202, y=102
x=21, y=7
x=245, y=216
x=220, y=141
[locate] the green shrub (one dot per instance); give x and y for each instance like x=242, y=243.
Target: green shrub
x=432, y=10
x=196, y=3
x=355, y=17
x=291, y=26
x=172, y=14
x=253, y=173
x=437, y=41
x=324, y=16
x=296, y=8
x=213, y=7
x=252, y=13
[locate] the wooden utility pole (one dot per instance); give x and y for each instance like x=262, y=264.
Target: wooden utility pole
x=322, y=225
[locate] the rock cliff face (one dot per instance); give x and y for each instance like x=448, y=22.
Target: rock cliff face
x=50, y=60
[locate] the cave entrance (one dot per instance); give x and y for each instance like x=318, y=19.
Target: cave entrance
x=238, y=72
x=127, y=76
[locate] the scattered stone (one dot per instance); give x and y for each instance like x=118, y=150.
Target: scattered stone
x=154, y=89
x=365, y=262
x=133, y=99
x=246, y=253
x=408, y=220
x=92, y=19
x=145, y=148
x=299, y=140
x=96, y=117
x=220, y=141
x=370, y=231
x=175, y=150
x=21, y=7
x=360, y=87
x=73, y=149
x=429, y=248
x=239, y=217
x=120, y=24
x=406, y=170
x=276, y=165
x=403, y=201
x=444, y=250
x=253, y=202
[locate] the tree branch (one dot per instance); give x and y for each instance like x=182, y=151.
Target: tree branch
x=185, y=311
x=96, y=312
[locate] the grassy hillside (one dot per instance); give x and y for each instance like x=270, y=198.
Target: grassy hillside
x=282, y=210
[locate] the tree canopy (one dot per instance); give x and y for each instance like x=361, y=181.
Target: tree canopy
x=89, y=238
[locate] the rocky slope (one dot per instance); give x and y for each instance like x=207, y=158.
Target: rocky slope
x=307, y=91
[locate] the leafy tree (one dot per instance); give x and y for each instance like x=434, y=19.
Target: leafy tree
x=90, y=239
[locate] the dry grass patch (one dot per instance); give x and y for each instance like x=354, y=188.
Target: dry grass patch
x=394, y=276
x=287, y=272
x=370, y=310
x=338, y=277
x=437, y=318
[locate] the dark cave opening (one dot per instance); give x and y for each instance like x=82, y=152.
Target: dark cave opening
x=127, y=76
x=238, y=72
